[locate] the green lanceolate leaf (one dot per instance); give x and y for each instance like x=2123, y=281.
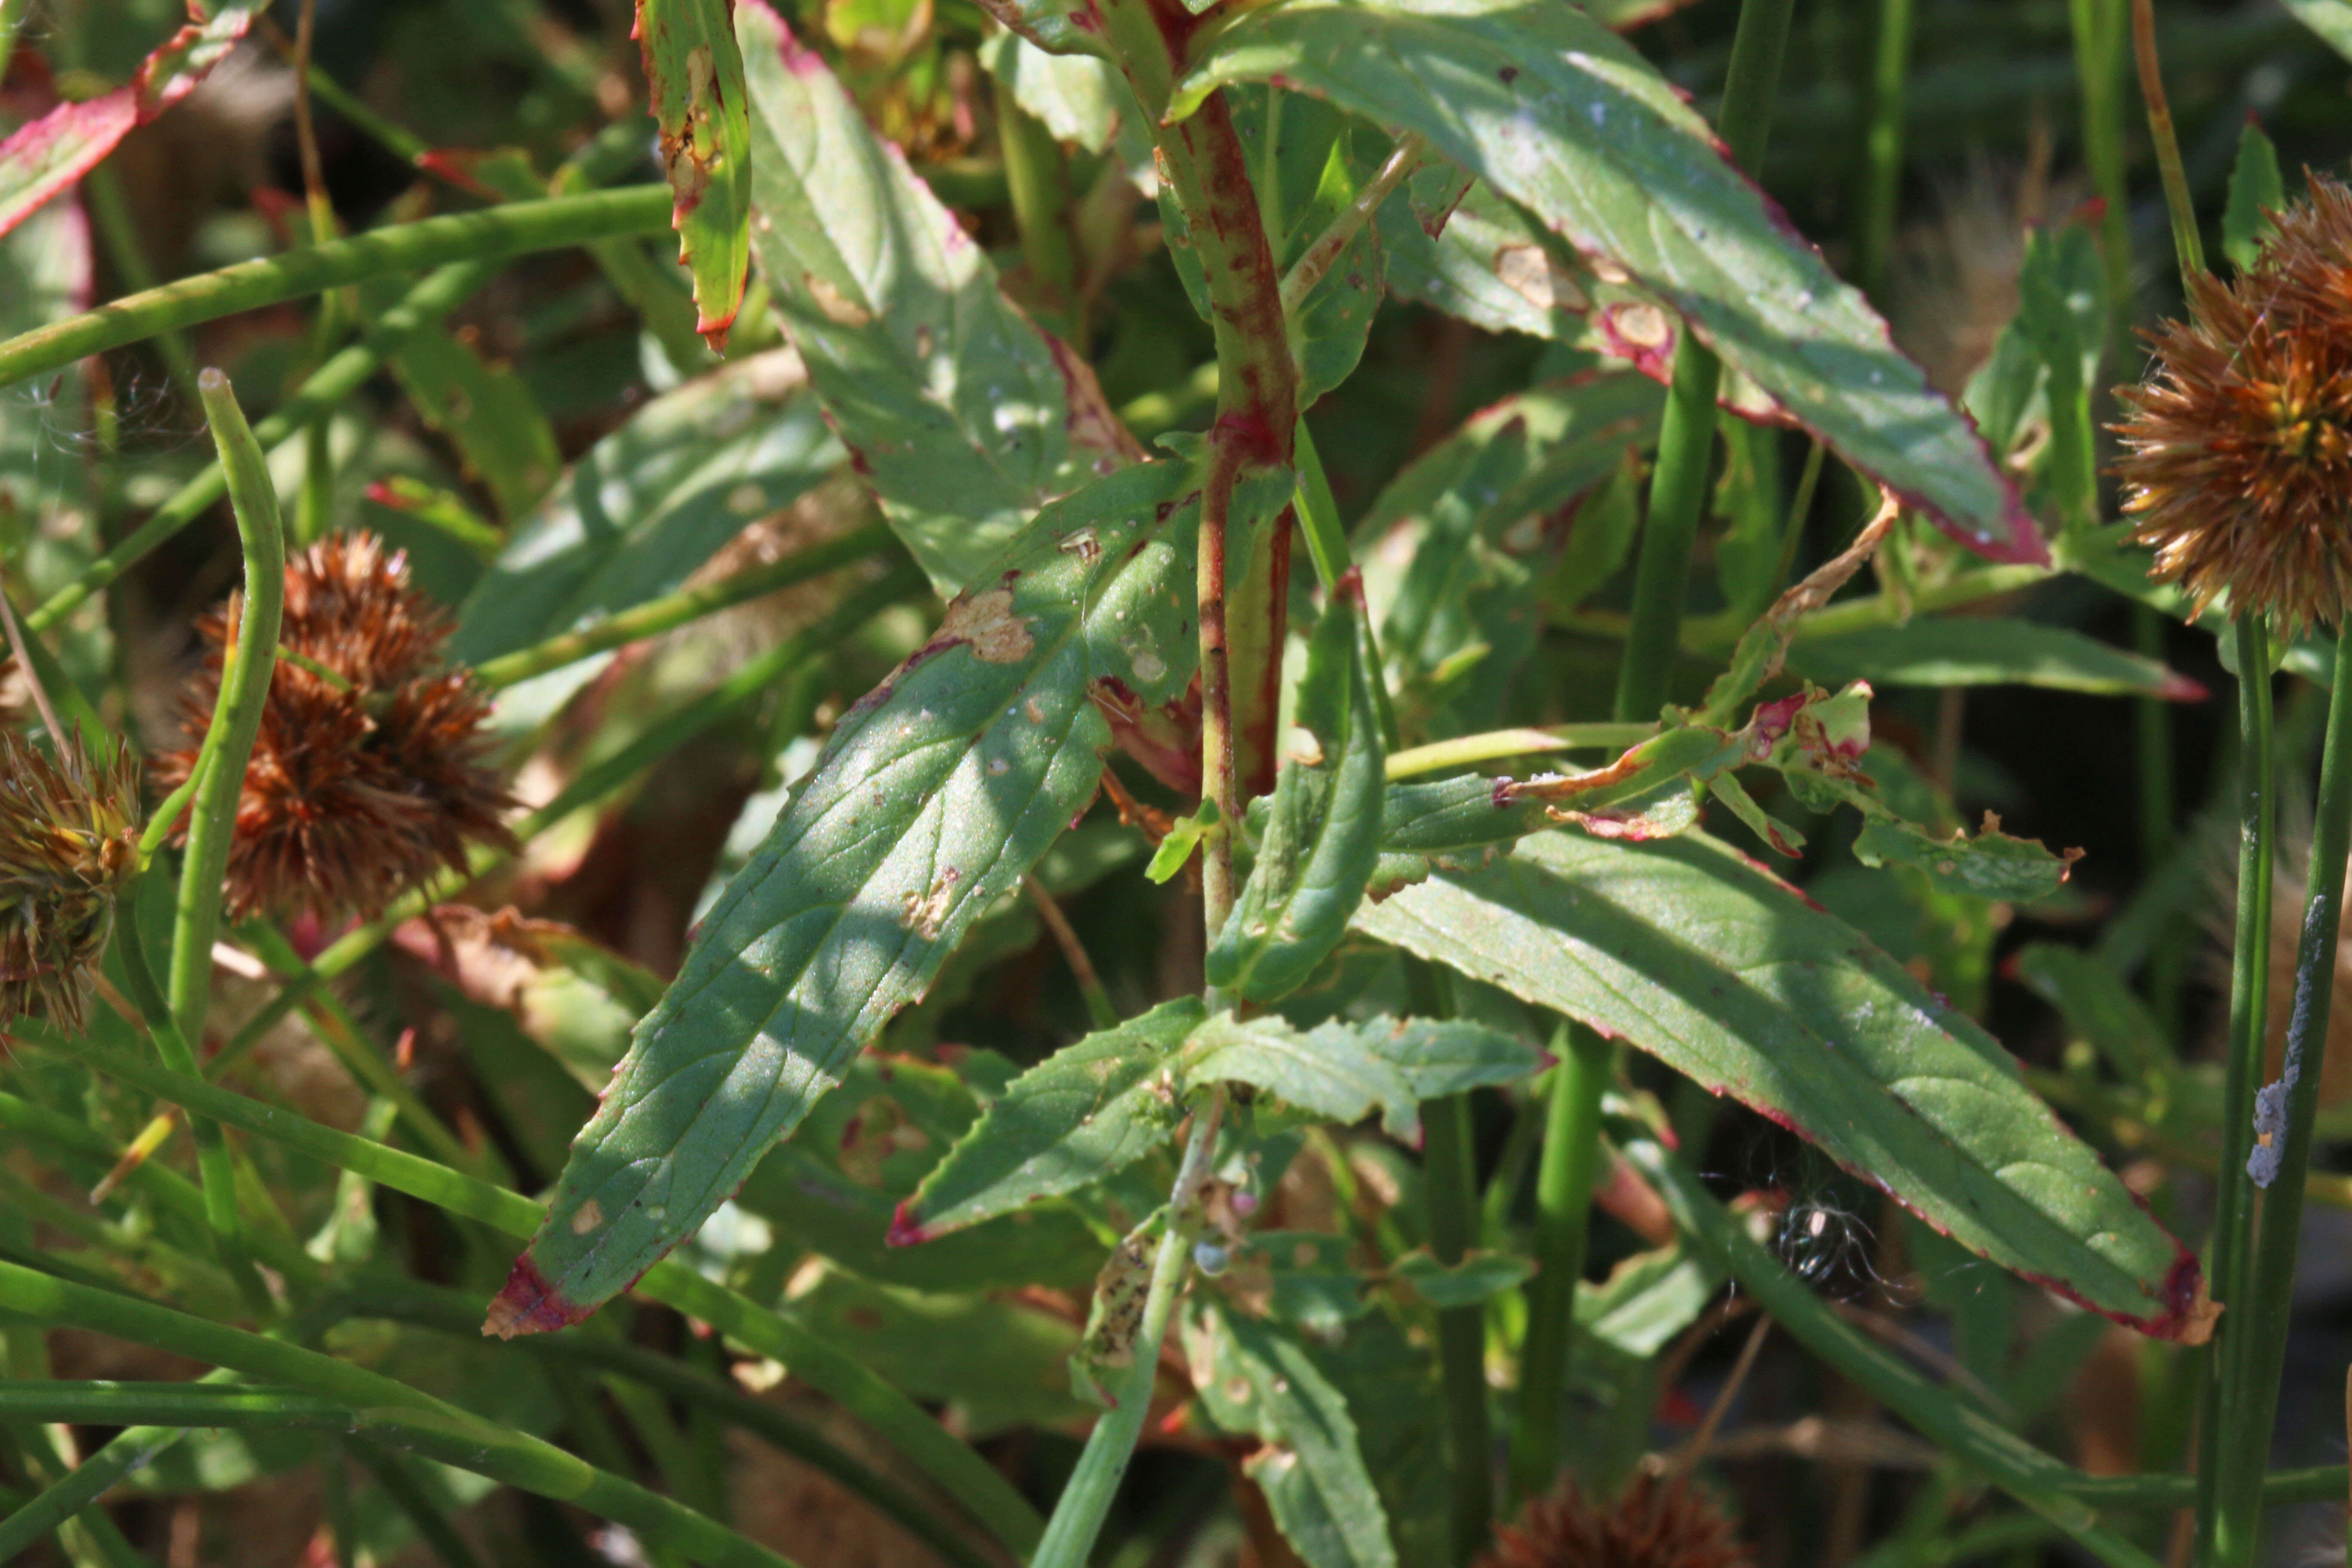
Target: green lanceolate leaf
x=1329, y=329
x=1322, y=829
x=1088, y=1110
x=1559, y=114
x=695, y=71
x=2257, y=191
x=1688, y=951
x=642, y=511
x=963, y=417
x=1342, y=1072
x=936, y=793
x=1454, y=546
x=1254, y=1378
x=1968, y=650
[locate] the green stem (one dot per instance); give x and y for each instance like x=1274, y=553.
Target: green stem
x=110, y=1404
x=964, y=1474
x=2034, y=1477
x=327, y=388
x=1881, y=147
x=83, y=1485
x=1086, y=1499
x=2319, y=1483
x=495, y=233
x=674, y=610
x=1315, y=260
x=1687, y=434
x=1677, y=494
x=1564, y=1182
x=2228, y=1276
x=2283, y=1115
x=379, y=1406
x=2099, y=33
x=212, y=821
x=2179, y=205
x=1493, y=745
x=1449, y=1175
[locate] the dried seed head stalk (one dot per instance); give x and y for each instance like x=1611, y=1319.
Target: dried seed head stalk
x=1658, y=1523
x=2239, y=468
x=69, y=844
x=362, y=784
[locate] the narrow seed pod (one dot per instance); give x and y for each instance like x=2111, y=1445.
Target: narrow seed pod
x=369, y=771
x=69, y=844
x=2240, y=441
x=1656, y=1524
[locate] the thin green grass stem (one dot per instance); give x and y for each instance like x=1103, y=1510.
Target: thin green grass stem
x=672, y=611
x=1882, y=146
x=2285, y=1113
x=1449, y=1175
x=1086, y=1499
x=1564, y=1182
x=382, y=1408
x=967, y=1478
x=517, y=228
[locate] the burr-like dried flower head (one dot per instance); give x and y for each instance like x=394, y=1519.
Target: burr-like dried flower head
x=68, y=842
x=1656, y=1524
x=2239, y=463
x=362, y=784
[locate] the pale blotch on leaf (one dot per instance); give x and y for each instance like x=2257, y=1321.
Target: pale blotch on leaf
x=987, y=623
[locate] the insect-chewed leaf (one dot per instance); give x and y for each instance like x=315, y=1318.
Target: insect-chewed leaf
x=1559, y=114
x=937, y=792
x=1688, y=950
x=1254, y=1378
x=1084, y=1113
x=1322, y=830
x=694, y=72
x=641, y=512
x=1342, y=1071
x=963, y=416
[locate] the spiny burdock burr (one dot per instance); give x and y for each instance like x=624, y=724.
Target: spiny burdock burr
x=367, y=778
x=1656, y=1524
x=2238, y=467
x=69, y=844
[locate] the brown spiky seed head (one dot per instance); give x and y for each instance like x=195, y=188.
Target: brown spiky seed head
x=2238, y=443
x=1656, y=1524
x=69, y=844
x=361, y=787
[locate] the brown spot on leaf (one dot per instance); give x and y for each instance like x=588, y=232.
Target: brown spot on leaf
x=986, y=622
x=838, y=308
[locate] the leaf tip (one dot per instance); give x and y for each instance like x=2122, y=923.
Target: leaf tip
x=528, y=1304
x=906, y=1230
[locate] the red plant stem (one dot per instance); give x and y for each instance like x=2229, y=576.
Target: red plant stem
x=1203, y=161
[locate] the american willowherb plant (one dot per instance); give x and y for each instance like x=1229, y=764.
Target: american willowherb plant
x=1341, y=979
